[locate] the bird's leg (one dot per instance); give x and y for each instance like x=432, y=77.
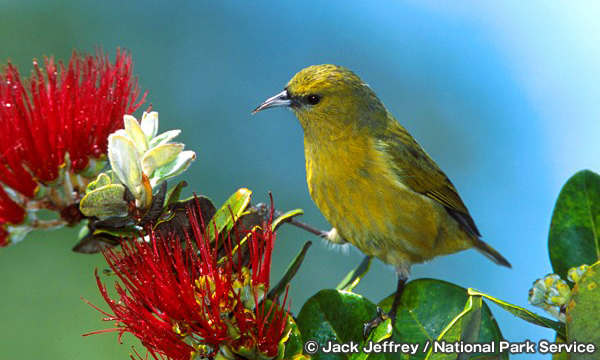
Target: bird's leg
x=399, y=290
x=381, y=316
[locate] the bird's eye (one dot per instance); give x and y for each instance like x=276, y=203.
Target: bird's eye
x=313, y=99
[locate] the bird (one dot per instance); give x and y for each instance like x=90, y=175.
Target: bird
x=373, y=182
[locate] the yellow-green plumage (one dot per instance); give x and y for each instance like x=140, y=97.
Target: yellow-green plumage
x=371, y=179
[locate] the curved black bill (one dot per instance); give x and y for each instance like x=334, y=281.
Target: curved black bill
x=281, y=99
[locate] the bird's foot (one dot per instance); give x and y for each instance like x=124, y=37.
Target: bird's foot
x=378, y=320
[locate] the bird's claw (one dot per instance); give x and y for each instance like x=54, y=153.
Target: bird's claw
x=371, y=325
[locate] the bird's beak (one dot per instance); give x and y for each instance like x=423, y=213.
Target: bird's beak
x=281, y=99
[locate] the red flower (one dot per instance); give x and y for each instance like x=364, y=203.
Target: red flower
x=182, y=303
x=58, y=111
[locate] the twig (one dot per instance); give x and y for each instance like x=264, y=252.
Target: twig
x=264, y=210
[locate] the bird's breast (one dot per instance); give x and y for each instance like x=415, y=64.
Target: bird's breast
x=351, y=184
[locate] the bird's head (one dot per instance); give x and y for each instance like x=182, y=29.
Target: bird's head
x=329, y=97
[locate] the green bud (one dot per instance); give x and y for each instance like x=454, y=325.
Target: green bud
x=140, y=160
x=575, y=273
x=537, y=294
x=550, y=293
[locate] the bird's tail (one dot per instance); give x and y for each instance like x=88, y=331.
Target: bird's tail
x=491, y=253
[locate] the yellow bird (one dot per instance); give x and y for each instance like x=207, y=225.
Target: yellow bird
x=373, y=182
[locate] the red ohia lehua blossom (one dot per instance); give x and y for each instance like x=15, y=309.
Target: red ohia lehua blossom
x=54, y=128
x=185, y=304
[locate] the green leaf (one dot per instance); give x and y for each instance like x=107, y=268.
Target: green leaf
x=354, y=276
x=164, y=138
x=283, y=218
x=181, y=162
x=428, y=306
x=224, y=219
x=84, y=230
x=126, y=231
x=291, y=271
x=101, y=180
x=176, y=220
x=89, y=243
x=149, y=124
x=464, y=327
x=174, y=193
x=135, y=133
x=92, y=244
x=382, y=332
x=125, y=163
x=583, y=311
x=105, y=201
x=563, y=355
x=575, y=229
x=160, y=155
x=291, y=341
x=333, y=315
x=523, y=313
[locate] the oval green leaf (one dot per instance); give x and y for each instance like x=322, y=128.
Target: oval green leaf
x=563, y=355
x=523, y=313
x=382, y=332
x=464, y=327
x=289, y=274
x=164, y=138
x=285, y=217
x=173, y=194
x=574, y=237
x=181, y=162
x=135, y=133
x=291, y=341
x=426, y=309
x=101, y=180
x=354, y=276
x=125, y=162
x=106, y=201
x=583, y=312
x=224, y=219
x=160, y=156
x=337, y=316
x=149, y=124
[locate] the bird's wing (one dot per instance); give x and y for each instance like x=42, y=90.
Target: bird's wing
x=416, y=170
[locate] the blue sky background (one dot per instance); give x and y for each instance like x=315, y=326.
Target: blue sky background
x=504, y=96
